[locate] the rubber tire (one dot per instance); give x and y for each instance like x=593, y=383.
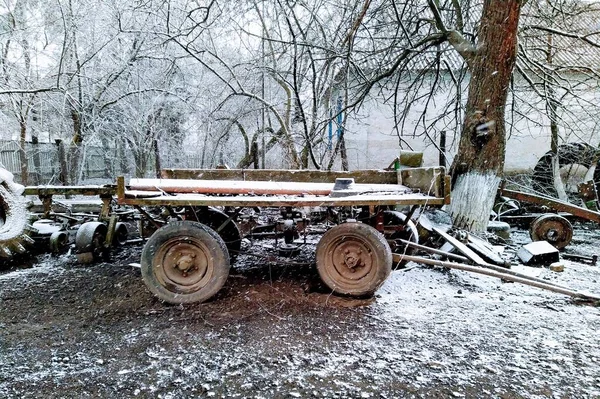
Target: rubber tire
x=59, y=242
x=120, y=235
x=214, y=218
x=381, y=259
x=91, y=237
x=217, y=253
x=570, y=153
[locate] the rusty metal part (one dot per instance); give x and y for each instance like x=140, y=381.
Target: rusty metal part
x=448, y=255
x=589, y=194
x=45, y=191
x=555, y=229
x=592, y=260
x=353, y=259
x=185, y=262
x=90, y=239
x=517, y=278
x=278, y=201
x=553, y=204
x=59, y=242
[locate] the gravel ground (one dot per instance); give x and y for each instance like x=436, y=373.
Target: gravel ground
x=273, y=331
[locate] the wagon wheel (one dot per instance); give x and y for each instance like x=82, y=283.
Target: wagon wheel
x=121, y=234
x=574, y=160
x=353, y=259
x=555, y=229
x=185, y=262
x=397, y=228
x=59, y=242
x=224, y=226
x=90, y=242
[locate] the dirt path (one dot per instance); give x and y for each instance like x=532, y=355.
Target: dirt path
x=73, y=331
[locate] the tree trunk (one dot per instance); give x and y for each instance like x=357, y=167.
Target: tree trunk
x=74, y=150
x=480, y=160
x=23, y=152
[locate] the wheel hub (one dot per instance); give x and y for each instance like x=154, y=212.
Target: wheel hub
x=185, y=262
x=352, y=259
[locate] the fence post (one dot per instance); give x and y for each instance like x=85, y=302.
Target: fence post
x=62, y=162
x=442, y=158
x=37, y=175
x=156, y=158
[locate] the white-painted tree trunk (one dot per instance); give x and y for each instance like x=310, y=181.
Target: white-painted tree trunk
x=559, y=186
x=473, y=198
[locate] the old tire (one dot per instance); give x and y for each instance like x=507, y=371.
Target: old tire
x=13, y=216
x=568, y=154
x=185, y=262
x=227, y=229
x=59, y=242
x=121, y=234
x=353, y=259
x=91, y=239
x=555, y=229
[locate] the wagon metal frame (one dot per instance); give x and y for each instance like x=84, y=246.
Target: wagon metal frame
x=188, y=260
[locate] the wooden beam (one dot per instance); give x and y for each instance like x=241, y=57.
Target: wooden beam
x=553, y=204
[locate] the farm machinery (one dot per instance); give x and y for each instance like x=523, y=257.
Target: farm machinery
x=196, y=220
x=196, y=223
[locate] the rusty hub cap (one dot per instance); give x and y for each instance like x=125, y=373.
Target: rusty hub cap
x=183, y=264
x=349, y=257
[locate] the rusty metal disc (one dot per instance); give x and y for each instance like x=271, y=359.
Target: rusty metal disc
x=353, y=259
x=553, y=228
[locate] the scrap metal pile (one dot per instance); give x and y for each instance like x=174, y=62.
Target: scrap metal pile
x=195, y=223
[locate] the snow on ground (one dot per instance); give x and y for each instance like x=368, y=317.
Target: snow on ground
x=72, y=331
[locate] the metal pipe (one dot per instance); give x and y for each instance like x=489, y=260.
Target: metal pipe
x=435, y=251
x=526, y=280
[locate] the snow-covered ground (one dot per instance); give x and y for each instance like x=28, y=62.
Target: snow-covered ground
x=72, y=331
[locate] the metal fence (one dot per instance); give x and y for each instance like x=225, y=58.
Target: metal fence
x=43, y=162
x=97, y=163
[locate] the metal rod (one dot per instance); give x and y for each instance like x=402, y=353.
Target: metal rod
x=526, y=280
x=435, y=251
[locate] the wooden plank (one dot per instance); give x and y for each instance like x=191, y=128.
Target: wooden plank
x=253, y=187
x=275, y=201
x=553, y=204
x=308, y=176
x=70, y=190
x=466, y=251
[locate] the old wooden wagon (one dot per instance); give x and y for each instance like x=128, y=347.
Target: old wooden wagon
x=190, y=249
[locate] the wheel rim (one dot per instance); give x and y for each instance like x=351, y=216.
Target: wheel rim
x=349, y=261
x=183, y=266
x=554, y=229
